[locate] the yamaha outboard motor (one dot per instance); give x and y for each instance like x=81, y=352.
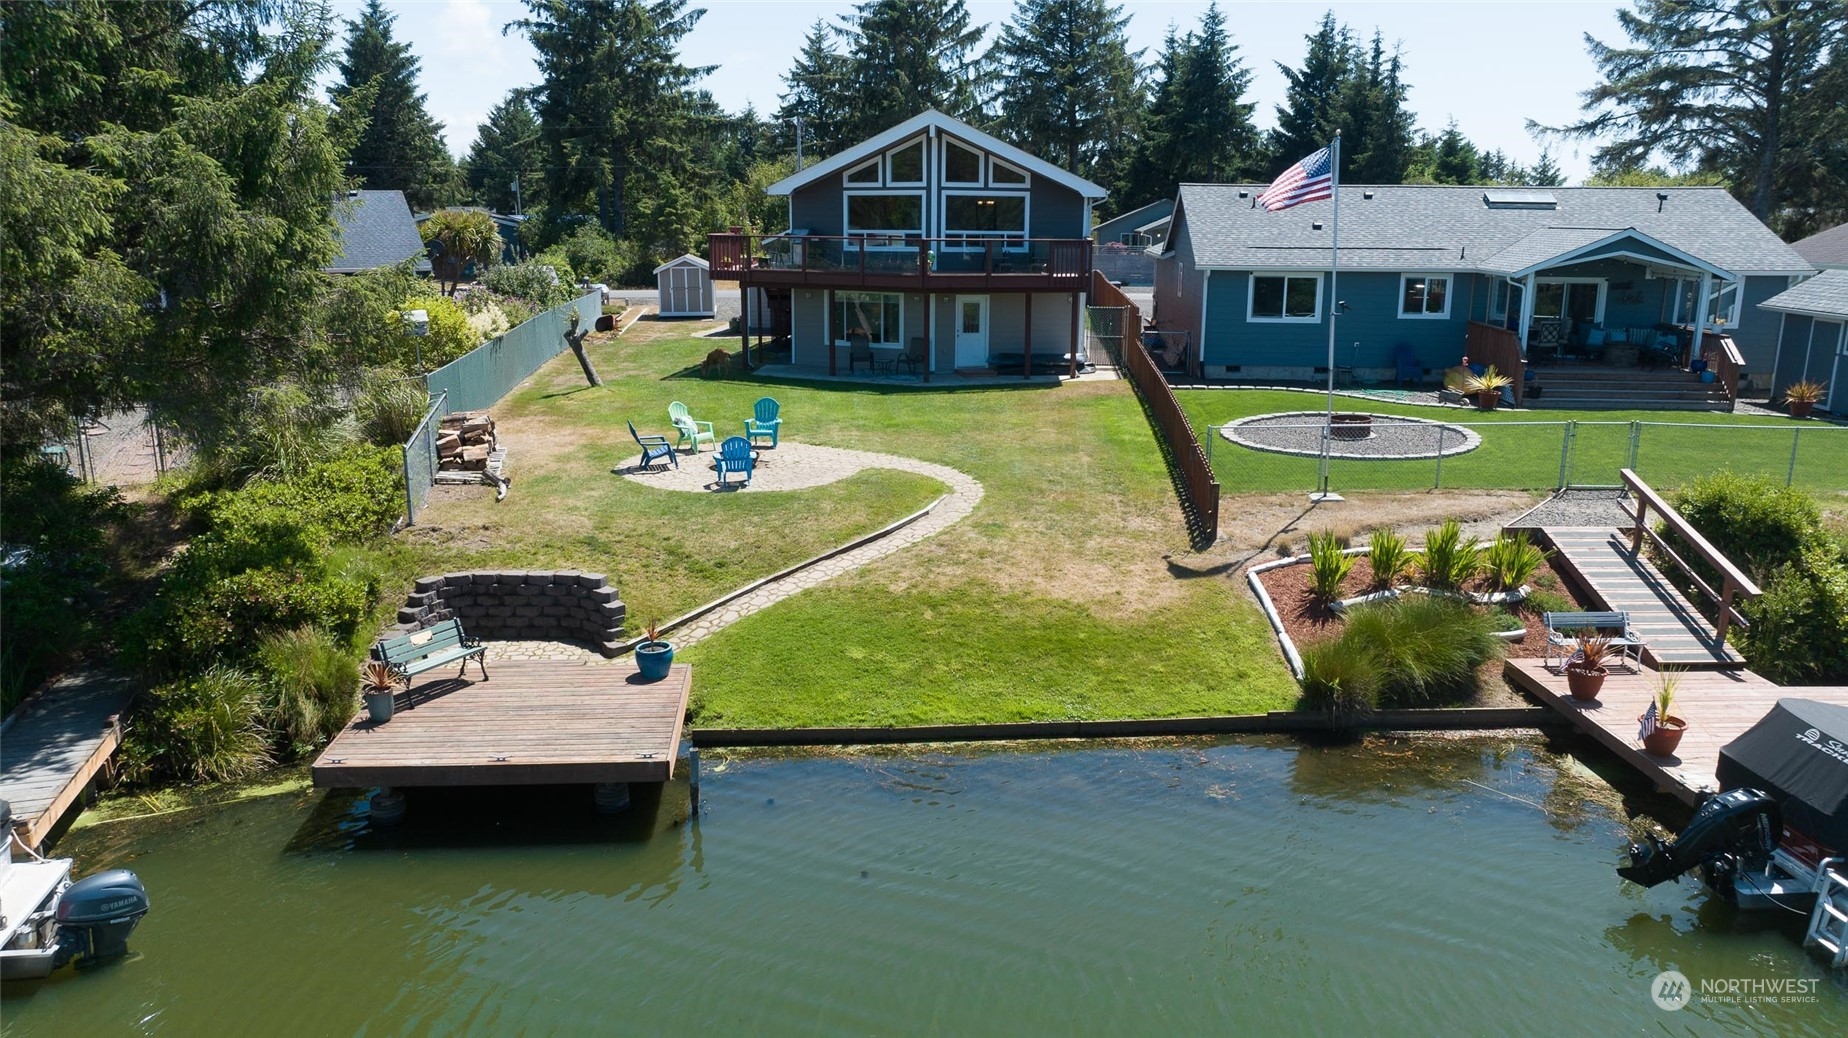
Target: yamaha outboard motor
x=96, y=915
x=1734, y=827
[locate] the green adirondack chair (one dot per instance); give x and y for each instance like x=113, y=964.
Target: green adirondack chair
x=765, y=421
x=691, y=431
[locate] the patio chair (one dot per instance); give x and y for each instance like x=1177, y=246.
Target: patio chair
x=859, y=350
x=914, y=356
x=654, y=449
x=1405, y=364
x=735, y=459
x=766, y=421
x=690, y=430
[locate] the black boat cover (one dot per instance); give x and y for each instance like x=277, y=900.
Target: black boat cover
x=1798, y=753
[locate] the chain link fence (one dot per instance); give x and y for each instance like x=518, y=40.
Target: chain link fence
x=1522, y=455
x=420, y=458
x=125, y=449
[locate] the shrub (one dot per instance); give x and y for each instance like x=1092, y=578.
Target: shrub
x=1510, y=560
x=449, y=335
x=1799, y=632
x=1424, y=647
x=1448, y=562
x=1386, y=552
x=596, y=256
x=1548, y=602
x=1339, y=683
x=487, y=320
x=199, y=729
x=284, y=431
x=390, y=409
x=312, y=683
x=1327, y=566
x=1755, y=521
x=539, y=283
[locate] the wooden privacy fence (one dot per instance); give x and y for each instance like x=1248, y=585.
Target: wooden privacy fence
x=1724, y=359
x=1198, y=486
x=1500, y=349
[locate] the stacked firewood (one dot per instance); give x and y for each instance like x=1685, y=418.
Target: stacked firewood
x=464, y=441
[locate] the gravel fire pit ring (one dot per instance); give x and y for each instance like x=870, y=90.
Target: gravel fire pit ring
x=1393, y=437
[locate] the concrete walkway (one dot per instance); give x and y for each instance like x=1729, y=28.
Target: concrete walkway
x=794, y=466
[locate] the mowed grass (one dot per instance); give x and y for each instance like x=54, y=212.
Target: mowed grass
x=1522, y=450
x=1052, y=601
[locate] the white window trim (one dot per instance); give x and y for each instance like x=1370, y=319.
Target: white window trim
x=849, y=232
x=841, y=333
x=1691, y=287
x=1025, y=182
x=1719, y=293
x=981, y=164
x=1501, y=293
x=923, y=147
x=1251, y=296
x=1597, y=317
x=1026, y=212
x=1450, y=284
x=878, y=180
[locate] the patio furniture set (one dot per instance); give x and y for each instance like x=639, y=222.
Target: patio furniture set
x=736, y=457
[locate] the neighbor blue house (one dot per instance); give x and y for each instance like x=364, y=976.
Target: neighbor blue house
x=1813, y=338
x=1611, y=274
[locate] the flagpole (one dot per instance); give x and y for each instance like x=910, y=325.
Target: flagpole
x=1334, y=308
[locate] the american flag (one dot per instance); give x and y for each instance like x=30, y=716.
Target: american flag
x=1310, y=180
x=1648, y=725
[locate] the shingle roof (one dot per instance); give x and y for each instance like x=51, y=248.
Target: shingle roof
x=956, y=127
x=374, y=229
x=1826, y=248
x=1826, y=294
x=1429, y=222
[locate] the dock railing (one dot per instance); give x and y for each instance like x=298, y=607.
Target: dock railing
x=1734, y=584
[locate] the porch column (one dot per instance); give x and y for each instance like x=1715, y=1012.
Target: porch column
x=930, y=340
x=744, y=325
x=1527, y=310
x=1074, y=346
x=827, y=325
x=1700, y=318
x=1026, y=367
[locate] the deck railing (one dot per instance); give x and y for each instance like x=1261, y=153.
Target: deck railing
x=1496, y=346
x=1725, y=361
x=902, y=261
x=1733, y=582
x=1196, y=474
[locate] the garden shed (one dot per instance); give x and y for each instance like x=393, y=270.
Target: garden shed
x=685, y=286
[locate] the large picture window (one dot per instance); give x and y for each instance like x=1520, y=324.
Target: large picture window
x=985, y=216
x=890, y=218
x=1424, y=295
x=878, y=314
x=1285, y=297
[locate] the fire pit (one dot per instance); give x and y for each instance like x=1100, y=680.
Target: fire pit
x=1351, y=426
x=1382, y=437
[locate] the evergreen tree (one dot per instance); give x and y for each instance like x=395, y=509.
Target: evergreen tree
x=905, y=56
x=1150, y=174
x=507, y=148
x=1198, y=126
x=1545, y=172
x=1068, y=88
x=1448, y=158
x=400, y=146
x=1315, y=97
x=817, y=94
x=1378, y=136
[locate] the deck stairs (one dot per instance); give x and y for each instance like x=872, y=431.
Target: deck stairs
x=1673, y=632
x=1828, y=922
x=1594, y=387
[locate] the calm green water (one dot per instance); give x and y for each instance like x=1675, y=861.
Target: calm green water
x=1254, y=887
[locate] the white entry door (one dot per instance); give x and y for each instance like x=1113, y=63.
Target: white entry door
x=971, y=331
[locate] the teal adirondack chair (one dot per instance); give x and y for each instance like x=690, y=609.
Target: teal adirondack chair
x=765, y=422
x=734, y=460
x=691, y=431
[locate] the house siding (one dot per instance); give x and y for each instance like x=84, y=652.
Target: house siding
x=1757, y=331
x=1366, y=334
x=1809, y=351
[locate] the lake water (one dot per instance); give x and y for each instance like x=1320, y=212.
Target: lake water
x=1218, y=887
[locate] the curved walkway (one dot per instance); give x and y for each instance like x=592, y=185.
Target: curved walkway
x=803, y=467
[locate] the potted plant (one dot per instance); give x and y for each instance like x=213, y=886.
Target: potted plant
x=1487, y=387
x=380, y=686
x=1802, y=397
x=653, y=656
x=1585, y=671
x=1661, y=738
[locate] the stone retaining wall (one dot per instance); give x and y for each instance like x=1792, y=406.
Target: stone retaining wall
x=517, y=605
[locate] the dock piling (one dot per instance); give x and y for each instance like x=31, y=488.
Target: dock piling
x=693, y=781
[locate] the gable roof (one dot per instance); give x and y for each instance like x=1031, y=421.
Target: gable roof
x=374, y=229
x=683, y=260
x=1825, y=295
x=1136, y=219
x=1825, y=248
x=924, y=120
x=1440, y=227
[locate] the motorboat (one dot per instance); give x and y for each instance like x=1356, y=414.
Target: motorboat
x=1776, y=836
x=47, y=921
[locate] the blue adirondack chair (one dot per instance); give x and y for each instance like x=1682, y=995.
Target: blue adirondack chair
x=1405, y=360
x=654, y=448
x=765, y=422
x=734, y=460
x=690, y=430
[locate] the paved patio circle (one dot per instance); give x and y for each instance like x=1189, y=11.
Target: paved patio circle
x=788, y=466
x=1394, y=438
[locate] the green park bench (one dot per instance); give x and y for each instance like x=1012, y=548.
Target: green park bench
x=412, y=654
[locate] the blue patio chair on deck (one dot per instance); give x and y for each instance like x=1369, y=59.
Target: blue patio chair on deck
x=697, y=432
x=764, y=421
x=1405, y=361
x=735, y=459
x=654, y=449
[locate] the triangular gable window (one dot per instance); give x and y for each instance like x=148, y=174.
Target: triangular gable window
x=961, y=165
x=864, y=173
x=906, y=164
x=1001, y=173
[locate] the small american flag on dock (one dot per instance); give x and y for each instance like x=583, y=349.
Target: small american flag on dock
x=1648, y=725
x=1310, y=180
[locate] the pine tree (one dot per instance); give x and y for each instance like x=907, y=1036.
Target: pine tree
x=1197, y=127
x=1068, y=89
x=1151, y=171
x=1454, y=158
x=1313, y=108
x=1378, y=129
x=905, y=56
x=400, y=146
x=1545, y=172
x=816, y=94
x=507, y=148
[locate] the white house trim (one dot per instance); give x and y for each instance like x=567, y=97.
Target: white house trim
x=1569, y=255
x=878, y=144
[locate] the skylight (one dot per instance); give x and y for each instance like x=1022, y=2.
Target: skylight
x=1504, y=198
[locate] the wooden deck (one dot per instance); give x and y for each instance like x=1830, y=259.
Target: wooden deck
x=56, y=744
x=532, y=723
x=1673, y=632
x=1718, y=706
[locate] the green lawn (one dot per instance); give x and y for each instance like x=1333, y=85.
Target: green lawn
x=1522, y=450
x=1051, y=601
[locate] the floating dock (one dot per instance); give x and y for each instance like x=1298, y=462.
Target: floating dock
x=530, y=723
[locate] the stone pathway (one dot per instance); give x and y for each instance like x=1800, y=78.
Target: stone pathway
x=794, y=466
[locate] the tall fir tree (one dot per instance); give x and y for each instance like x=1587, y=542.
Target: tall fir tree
x=1378, y=131
x=507, y=149
x=400, y=147
x=1068, y=88
x=1197, y=127
x=905, y=56
x=1316, y=95
x=817, y=94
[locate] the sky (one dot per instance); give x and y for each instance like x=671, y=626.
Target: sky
x=1489, y=64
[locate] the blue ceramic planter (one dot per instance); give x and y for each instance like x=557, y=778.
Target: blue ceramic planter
x=653, y=659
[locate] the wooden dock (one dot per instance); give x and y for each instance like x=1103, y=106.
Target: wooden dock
x=532, y=723
x=1674, y=633
x=55, y=744
x=1718, y=706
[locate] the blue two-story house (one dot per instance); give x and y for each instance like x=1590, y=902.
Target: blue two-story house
x=1614, y=275
x=936, y=246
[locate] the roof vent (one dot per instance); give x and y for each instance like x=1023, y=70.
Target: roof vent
x=1244, y=194
x=1366, y=194
x=1516, y=199
x=1316, y=225
x=1661, y=200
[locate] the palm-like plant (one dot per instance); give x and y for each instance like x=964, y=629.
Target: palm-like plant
x=463, y=236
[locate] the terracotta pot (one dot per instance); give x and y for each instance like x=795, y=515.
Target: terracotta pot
x=1801, y=408
x=1666, y=737
x=1585, y=682
x=1487, y=399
